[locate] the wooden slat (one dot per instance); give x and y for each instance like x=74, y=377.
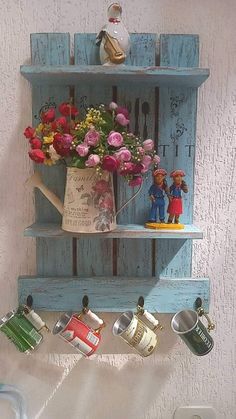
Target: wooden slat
x=129, y=231
x=50, y=49
x=177, y=132
x=135, y=258
x=94, y=255
x=155, y=76
x=114, y=294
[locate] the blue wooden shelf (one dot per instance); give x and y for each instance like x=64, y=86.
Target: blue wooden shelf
x=129, y=231
x=73, y=74
x=113, y=294
x=115, y=273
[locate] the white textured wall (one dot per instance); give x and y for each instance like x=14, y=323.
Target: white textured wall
x=118, y=385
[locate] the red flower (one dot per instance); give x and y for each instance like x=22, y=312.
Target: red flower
x=37, y=155
x=62, y=143
x=48, y=116
x=136, y=181
x=106, y=202
x=59, y=123
x=35, y=143
x=66, y=109
x=129, y=168
x=101, y=186
x=29, y=132
x=110, y=164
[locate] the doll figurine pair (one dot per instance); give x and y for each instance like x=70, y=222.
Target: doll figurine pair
x=157, y=193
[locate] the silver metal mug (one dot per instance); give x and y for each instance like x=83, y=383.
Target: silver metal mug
x=136, y=333
x=188, y=326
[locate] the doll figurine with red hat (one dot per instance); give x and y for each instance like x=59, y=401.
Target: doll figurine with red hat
x=157, y=196
x=175, y=207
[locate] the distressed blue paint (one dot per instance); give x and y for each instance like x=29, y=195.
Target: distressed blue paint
x=176, y=144
x=50, y=50
x=94, y=255
x=74, y=75
x=127, y=231
x=114, y=294
x=135, y=258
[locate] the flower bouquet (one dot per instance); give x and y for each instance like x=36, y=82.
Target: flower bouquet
x=93, y=148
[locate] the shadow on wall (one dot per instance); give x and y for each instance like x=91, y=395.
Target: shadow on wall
x=98, y=390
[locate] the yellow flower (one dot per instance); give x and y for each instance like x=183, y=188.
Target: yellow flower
x=48, y=139
x=39, y=128
x=49, y=162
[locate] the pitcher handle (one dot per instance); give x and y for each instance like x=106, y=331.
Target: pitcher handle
x=130, y=199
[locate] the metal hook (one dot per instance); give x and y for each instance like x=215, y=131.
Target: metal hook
x=201, y=312
x=93, y=316
x=29, y=301
x=140, y=305
x=85, y=303
x=33, y=317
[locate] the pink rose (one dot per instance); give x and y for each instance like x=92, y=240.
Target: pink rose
x=123, y=154
x=156, y=159
x=136, y=181
x=82, y=149
x=92, y=137
x=124, y=111
x=148, y=145
x=146, y=162
x=93, y=160
x=141, y=150
x=115, y=139
x=113, y=106
x=121, y=119
x=110, y=164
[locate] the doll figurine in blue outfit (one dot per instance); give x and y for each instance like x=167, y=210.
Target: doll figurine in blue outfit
x=157, y=195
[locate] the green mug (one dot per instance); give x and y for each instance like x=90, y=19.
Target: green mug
x=188, y=326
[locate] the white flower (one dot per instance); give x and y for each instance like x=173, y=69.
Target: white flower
x=53, y=154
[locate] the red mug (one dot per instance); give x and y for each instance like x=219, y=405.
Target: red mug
x=73, y=330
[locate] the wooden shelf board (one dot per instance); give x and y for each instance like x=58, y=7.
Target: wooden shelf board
x=129, y=231
x=74, y=74
x=113, y=294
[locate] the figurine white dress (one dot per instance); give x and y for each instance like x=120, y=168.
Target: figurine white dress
x=114, y=38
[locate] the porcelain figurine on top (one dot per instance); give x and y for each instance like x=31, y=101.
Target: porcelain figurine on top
x=157, y=193
x=175, y=208
x=114, y=38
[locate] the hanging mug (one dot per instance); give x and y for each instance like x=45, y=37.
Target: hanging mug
x=188, y=326
x=136, y=333
x=73, y=330
x=20, y=331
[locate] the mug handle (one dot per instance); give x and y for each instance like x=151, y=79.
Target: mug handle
x=94, y=317
x=210, y=324
x=155, y=322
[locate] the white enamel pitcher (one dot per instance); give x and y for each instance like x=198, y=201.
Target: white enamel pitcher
x=89, y=203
